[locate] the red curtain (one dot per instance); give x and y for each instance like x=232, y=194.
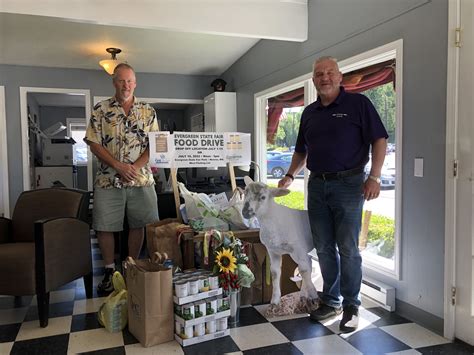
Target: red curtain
x=369, y=77
x=356, y=81
x=276, y=104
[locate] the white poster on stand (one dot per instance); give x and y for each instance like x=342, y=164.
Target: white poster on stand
x=199, y=149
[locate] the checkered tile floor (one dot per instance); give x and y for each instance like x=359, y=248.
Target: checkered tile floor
x=73, y=328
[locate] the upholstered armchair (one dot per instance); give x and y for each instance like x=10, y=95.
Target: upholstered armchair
x=46, y=244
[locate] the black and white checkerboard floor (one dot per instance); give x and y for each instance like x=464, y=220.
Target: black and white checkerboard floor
x=73, y=328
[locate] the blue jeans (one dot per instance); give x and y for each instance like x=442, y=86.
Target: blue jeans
x=335, y=213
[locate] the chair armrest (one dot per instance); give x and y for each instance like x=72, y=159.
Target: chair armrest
x=5, y=229
x=63, y=250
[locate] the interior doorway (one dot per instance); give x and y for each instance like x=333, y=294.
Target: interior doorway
x=46, y=150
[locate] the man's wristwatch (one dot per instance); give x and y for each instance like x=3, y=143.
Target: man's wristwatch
x=375, y=178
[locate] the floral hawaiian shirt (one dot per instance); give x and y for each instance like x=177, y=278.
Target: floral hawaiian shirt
x=125, y=137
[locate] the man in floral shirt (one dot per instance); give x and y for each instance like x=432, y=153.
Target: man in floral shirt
x=118, y=136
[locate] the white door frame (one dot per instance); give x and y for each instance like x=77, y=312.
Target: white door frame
x=4, y=155
x=451, y=156
x=453, y=153
x=24, y=126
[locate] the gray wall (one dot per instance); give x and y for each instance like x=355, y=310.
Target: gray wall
x=98, y=82
x=344, y=28
x=50, y=115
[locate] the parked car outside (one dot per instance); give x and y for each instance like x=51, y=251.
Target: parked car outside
x=277, y=166
x=388, y=171
x=272, y=153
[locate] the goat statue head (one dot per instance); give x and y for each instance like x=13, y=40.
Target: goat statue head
x=259, y=197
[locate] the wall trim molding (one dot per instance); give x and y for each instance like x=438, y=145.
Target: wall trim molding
x=4, y=154
x=24, y=91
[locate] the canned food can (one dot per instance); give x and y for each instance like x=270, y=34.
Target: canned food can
x=199, y=309
x=188, y=311
x=178, y=309
x=225, y=303
x=199, y=329
x=203, y=284
x=221, y=324
x=193, y=286
x=181, y=288
x=211, y=306
x=219, y=304
x=210, y=327
x=188, y=332
x=177, y=327
x=213, y=282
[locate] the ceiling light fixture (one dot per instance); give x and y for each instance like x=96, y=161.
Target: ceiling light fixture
x=110, y=64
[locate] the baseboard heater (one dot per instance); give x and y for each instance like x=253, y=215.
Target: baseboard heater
x=378, y=292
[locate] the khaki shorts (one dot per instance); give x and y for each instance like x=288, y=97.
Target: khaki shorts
x=110, y=206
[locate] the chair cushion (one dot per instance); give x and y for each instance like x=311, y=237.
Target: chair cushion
x=44, y=203
x=17, y=264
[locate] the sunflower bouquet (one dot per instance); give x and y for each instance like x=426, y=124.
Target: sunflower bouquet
x=230, y=262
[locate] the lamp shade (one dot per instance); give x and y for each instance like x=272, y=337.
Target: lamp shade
x=109, y=65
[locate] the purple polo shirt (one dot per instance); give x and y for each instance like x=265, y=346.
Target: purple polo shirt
x=337, y=137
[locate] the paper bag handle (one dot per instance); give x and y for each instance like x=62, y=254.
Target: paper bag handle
x=159, y=258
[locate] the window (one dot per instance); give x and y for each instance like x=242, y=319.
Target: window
x=377, y=74
x=380, y=246
x=76, y=129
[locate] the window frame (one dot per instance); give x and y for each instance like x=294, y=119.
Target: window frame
x=260, y=123
x=77, y=122
x=393, y=50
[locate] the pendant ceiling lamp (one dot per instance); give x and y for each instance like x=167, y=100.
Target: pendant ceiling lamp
x=110, y=64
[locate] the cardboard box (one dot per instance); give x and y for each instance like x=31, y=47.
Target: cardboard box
x=262, y=288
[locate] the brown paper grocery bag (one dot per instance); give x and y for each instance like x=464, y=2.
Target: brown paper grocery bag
x=150, y=302
x=162, y=237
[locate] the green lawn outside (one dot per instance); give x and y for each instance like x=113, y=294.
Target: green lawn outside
x=381, y=229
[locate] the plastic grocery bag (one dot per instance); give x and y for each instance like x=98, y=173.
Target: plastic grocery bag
x=198, y=205
x=232, y=212
x=113, y=312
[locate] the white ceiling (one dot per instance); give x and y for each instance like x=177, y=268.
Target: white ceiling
x=162, y=36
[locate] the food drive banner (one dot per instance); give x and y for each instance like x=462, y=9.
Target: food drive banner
x=198, y=149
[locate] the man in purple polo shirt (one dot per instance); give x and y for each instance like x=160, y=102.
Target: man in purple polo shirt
x=335, y=135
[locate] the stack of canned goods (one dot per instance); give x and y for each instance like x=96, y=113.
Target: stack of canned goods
x=209, y=306
x=200, y=329
x=191, y=283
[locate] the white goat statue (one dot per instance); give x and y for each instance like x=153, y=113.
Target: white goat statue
x=283, y=231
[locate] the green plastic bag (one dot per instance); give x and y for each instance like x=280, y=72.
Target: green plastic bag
x=113, y=312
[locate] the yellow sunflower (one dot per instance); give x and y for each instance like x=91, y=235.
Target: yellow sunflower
x=226, y=260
